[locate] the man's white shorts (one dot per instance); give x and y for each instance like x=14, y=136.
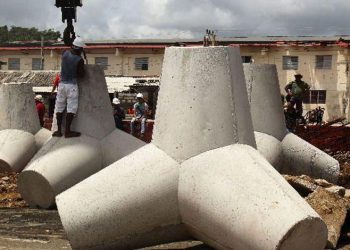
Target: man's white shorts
x=67, y=95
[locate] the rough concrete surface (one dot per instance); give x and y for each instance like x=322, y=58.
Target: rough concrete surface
x=20, y=132
x=297, y=156
x=332, y=209
x=171, y=189
x=201, y=84
x=62, y=163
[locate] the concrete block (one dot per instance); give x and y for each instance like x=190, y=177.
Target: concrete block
x=223, y=204
x=299, y=156
x=270, y=148
x=131, y=204
x=117, y=145
x=265, y=99
x=191, y=180
x=95, y=114
x=17, y=108
x=202, y=75
x=17, y=147
x=60, y=164
x=41, y=137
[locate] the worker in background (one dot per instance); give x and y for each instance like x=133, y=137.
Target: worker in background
x=140, y=114
x=40, y=108
x=72, y=68
x=118, y=113
x=295, y=93
x=52, y=98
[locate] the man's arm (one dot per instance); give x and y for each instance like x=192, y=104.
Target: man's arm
x=81, y=69
x=288, y=88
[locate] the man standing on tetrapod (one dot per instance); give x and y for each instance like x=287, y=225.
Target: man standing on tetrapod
x=72, y=68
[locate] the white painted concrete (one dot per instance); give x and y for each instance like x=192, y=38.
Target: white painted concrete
x=231, y=198
x=17, y=147
x=293, y=156
x=206, y=89
x=62, y=163
x=128, y=205
x=226, y=195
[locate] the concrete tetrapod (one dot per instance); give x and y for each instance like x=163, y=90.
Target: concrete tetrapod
x=201, y=178
x=288, y=153
x=62, y=163
x=20, y=132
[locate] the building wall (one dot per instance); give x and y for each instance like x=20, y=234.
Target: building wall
x=122, y=62
x=335, y=80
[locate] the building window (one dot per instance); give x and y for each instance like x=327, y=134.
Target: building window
x=323, y=62
x=315, y=97
x=290, y=62
x=102, y=62
x=14, y=64
x=141, y=63
x=36, y=64
x=246, y=59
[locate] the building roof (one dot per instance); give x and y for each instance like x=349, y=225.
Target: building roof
x=339, y=40
x=41, y=81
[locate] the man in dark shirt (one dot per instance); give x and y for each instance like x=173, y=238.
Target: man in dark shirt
x=72, y=68
x=295, y=93
x=118, y=113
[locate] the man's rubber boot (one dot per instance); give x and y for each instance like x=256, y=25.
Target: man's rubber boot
x=68, y=133
x=58, y=133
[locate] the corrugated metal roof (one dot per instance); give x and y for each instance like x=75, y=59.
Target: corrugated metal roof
x=41, y=81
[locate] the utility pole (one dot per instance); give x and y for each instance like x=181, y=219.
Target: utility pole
x=42, y=53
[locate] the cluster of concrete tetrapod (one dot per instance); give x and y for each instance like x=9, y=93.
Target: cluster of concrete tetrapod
x=212, y=171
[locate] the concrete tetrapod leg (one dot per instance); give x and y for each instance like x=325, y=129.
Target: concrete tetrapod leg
x=63, y=162
x=19, y=123
x=147, y=196
x=223, y=204
x=297, y=156
x=17, y=147
x=39, y=186
x=17, y=108
x=208, y=78
x=131, y=204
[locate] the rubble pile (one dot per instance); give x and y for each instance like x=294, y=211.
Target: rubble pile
x=9, y=196
x=331, y=202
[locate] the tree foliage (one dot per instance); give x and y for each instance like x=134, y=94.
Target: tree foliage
x=16, y=33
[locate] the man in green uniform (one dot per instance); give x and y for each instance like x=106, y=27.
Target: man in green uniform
x=295, y=93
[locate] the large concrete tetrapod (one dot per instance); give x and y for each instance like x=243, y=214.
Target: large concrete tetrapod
x=288, y=153
x=201, y=176
x=62, y=162
x=20, y=132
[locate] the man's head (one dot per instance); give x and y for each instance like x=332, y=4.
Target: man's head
x=38, y=98
x=139, y=97
x=298, y=76
x=78, y=45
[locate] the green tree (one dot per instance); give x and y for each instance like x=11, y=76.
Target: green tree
x=16, y=33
